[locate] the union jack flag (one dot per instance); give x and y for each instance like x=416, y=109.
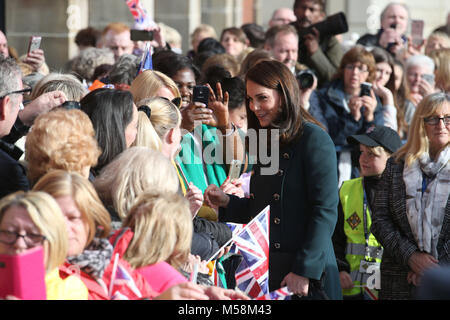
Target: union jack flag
x=146, y=60
x=141, y=18
x=122, y=277
x=280, y=294
x=252, y=275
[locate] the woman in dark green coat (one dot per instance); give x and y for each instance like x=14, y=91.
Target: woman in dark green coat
x=301, y=191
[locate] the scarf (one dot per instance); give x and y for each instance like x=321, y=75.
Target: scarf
x=426, y=209
x=95, y=258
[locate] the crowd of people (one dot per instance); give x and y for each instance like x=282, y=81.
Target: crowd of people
x=123, y=169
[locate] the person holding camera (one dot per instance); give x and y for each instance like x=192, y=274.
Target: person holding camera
x=394, y=21
x=320, y=52
x=349, y=105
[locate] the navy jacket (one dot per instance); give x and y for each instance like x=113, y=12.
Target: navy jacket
x=303, y=199
x=339, y=122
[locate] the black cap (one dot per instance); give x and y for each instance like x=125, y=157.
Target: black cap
x=378, y=136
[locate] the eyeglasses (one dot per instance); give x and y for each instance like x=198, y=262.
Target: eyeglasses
x=435, y=120
x=31, y=239
x=25, y=90
x=352, y=67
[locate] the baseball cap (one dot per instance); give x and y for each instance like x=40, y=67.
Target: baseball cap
x=378, y=136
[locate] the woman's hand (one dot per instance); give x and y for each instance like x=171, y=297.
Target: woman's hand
x=214, y=197
x=35, y=59
x=426, y=88
x=195, y=114
x=195, y=197
x=413, y=278
x=297, y=284
x=183, y=291
x=216, y=293
x=346, y=280
x=370, y=104
x=384, y=93
x=219, y=106
x=421, y=261
x=233, y=187
x=355, y=105
x=196, y=260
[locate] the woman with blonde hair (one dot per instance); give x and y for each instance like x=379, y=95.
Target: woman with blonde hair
x=152, y=83
x=159, y=122
x=162, y=227
x=36, y=219
x=441, y=58
x=88, y=225
x=61, y=139
x=159, y=129
x=411, y=214
x=132, y=173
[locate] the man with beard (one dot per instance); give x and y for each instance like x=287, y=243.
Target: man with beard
x=321, y=53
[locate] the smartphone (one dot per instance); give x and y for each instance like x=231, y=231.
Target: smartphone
x=23, y=275
x=429, y=78
x=417, y=32
x=365, y=89
x=141, y=35
x=201, y=94
x=34, y=43
x=235, y=169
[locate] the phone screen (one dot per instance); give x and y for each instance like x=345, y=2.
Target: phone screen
x=35, y=43
x=417, y=32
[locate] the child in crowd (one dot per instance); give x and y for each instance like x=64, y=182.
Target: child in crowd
x=357, y=251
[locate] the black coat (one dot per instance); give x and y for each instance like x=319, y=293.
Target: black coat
x=391, y=227
x=303, y=201
x=12, y=174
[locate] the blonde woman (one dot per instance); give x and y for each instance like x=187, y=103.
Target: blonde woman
x=411, y=213
x=88, y=224
x=132, y=173
x=151, y=83
x=33, y=219
x=441, y=58
x=159, y=129
x=61, y=139
x=162, y=226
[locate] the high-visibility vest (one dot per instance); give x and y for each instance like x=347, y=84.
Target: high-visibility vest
x=352, y=200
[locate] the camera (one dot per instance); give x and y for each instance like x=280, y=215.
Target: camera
x=331, y=26
x=305, y=79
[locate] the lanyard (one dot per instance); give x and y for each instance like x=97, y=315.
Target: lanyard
x=424, y=183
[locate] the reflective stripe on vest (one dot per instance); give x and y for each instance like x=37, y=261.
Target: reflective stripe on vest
x=360, y=250
x=352, y=200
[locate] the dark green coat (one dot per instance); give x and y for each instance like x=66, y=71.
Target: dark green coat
x=303, y=199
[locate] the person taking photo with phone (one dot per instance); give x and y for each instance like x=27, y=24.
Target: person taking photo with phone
x=345, y=109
